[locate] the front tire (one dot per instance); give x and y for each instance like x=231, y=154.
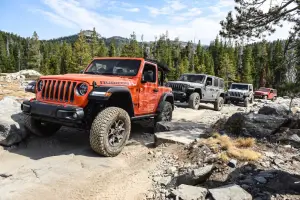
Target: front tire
x=110, y=131
x=219, y=104
x=246, y=102
x=166, y=112
x=194, y=101
x=40, y=128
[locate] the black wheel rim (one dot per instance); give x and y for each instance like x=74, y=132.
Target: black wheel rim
x=116, y=133
x=166, y=115
x=197, y=101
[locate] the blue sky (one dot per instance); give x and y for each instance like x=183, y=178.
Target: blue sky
x=186, y=19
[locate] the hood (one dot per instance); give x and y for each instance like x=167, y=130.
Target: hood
x=90, y=78
x=186, y=83
x=240, y=91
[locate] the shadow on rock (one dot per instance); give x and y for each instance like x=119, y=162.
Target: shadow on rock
x=202, y=106
x=68, y=141
x=261, y=184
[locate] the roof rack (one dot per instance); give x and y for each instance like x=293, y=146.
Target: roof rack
x=159, y=64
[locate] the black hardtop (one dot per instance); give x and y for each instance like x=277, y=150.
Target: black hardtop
x=160, y=65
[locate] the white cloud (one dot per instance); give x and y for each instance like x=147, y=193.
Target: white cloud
x=70, y=13
x=171, y=7
x=132, y=9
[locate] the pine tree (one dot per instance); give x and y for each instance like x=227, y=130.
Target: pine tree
x=94, y=43
x=34, y=56
x=227, y=68
x=247, y=65
x=81, y=54
x=66, y=58
x=102, y=50
x=132, y=49
x=3, y=55
x=112, y=49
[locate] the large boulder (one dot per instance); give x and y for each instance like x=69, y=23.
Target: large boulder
x=12, y=129
x=230, y=192
x=254, y=125
x=274, y=109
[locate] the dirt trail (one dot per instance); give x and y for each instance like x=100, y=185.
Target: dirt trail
x=64, y=167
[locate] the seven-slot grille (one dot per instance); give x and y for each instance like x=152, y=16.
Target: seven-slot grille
x=176, y=86
x=235, y=94
x=58, y=90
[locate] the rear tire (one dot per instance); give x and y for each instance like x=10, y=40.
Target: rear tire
x=194, y=101
x=166, y=112
x=246, y=102
x=40, y=128
x=219, y=104
x=110, y=131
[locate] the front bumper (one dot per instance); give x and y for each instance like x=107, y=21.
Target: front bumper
x=235, y=98
x=67, y=115
x=179, y=96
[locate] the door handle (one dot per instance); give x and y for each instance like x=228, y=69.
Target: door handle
x=155, y=90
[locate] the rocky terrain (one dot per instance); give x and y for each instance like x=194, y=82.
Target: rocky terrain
x=237, y=153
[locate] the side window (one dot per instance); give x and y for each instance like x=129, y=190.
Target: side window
x=221, y=85
x=149, y=73
x=216, y=82
x=208, y=81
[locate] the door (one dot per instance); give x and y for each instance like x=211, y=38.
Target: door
x=208, y=89
x=216, y=89
x=148, y=90
x=271, y=94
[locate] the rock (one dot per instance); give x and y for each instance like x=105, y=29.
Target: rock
x=297, y=157
x=241, y=109
x=290, y=136
x=195, y=176
x=12, y=129
x=232, y=163
x=274, y=109
x=171, y=170
x=174, y=126
x=261, y=179
x=187, y=192
x=270, y=154
x=179, y=136
x=255, y=125
x=230, y=192
x=163, y=180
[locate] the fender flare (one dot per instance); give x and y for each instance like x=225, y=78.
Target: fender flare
x=109, y=94
x=165, y=97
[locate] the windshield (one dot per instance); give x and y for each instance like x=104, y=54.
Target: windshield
x=264, y=89
x=239, y=87
x=116, y=67
x=192, y=78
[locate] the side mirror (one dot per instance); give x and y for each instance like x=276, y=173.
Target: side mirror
x=31, y=87
x=208, y=83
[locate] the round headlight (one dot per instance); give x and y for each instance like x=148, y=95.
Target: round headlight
x=82, y=89
x=40, y=85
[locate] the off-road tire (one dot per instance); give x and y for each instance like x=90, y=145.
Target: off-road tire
x=166, y=112
x=246, y=102
x=194, y=97
x=101, y=125
x=40, y=128
x=218, y=105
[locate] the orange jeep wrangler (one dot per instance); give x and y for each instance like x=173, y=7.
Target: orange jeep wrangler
x=103, y=99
